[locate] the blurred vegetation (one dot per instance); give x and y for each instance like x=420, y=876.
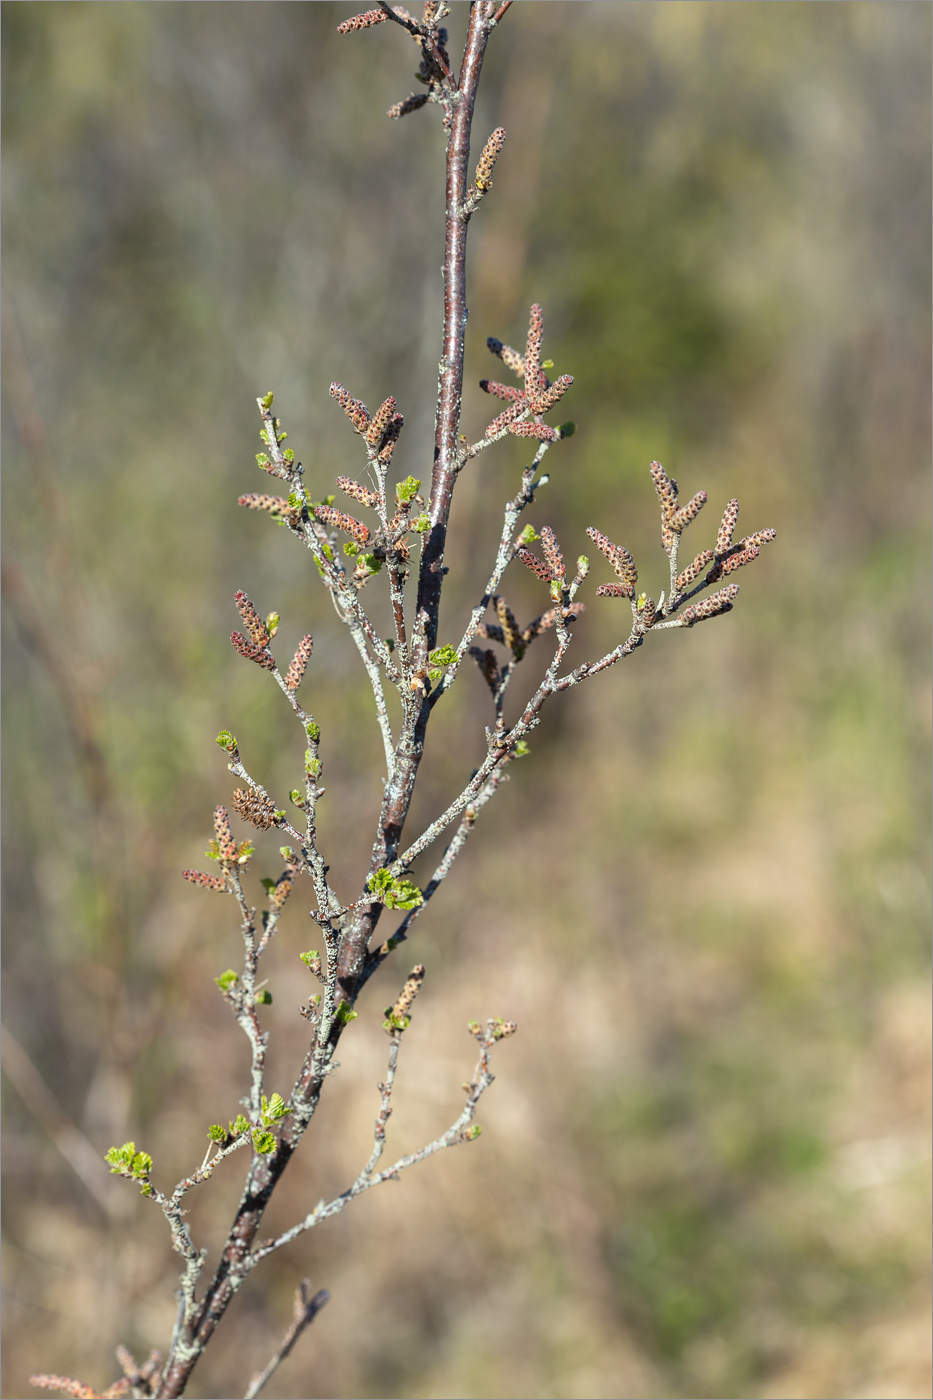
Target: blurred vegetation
x=705, y=895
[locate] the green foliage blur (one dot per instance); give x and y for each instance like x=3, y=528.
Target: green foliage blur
x=704, y=896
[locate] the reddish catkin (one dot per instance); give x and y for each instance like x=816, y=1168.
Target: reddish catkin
x=357, y=491
x=682, y=517
x=207, y=882
x=381, y=419
x=509, y=357
x=666, y=489
x=299, y=662
x=547, y=398
x=357, y=412
x=347, y=523
x=712, y=606
x=363, y=21
x=536, y=565
x=533, y=351
x=623, y=565
x=507, y=418
x=615, y=590
x=555, y=560
x=541, y=431
x=693, y=571
x=225, y=842
x=736, y=561
x=259, y=500
x=251, y=619
x=727, y=527
x=503, y=391
x=390, y=437
x=260, y=655
x=487, y=160
x=407, y=104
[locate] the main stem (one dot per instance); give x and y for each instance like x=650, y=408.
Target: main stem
x=265, y=1173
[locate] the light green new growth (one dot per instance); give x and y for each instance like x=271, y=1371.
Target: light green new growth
x=226, y=979
x=394, y=892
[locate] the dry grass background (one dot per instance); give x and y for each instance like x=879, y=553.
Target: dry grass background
x=704, y=898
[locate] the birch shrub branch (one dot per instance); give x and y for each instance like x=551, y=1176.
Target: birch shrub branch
x=380, y=529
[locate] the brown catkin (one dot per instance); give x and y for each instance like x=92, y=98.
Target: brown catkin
x=693, y=571
x=727, y=527
x=533, y=351
x=717, y=603
x=667, y=492
x=254, y=808
x=511, y=358
x=207, y=882
x=407, y=104
x=536, y=565
x=555, y=560
x=547, y=398
x=363, y=21
x=225, y=842
x=357, y=491
x=299, y=661
x=357, y=412
x=260, y=655
x=488, y=159
x=347, y=523
x=507, y=417
x=251, y=619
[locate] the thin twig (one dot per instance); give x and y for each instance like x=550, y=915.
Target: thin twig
x=306, y=1310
